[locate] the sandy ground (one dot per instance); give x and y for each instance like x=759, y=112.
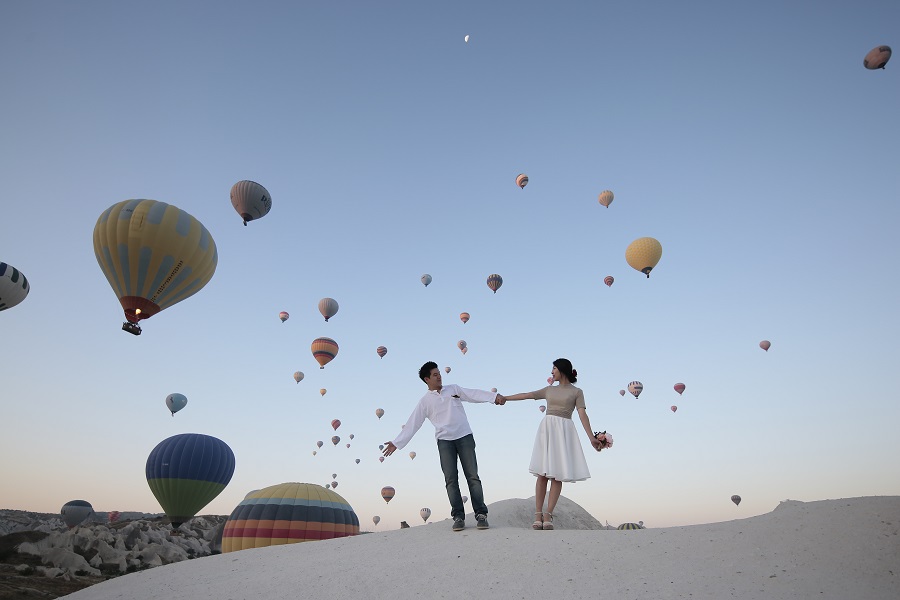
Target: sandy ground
x=831, y=549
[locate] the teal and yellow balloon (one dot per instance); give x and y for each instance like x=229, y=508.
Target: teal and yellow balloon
x=13, y=286
x=288, y=513
x=154, y=255
x=187, y=471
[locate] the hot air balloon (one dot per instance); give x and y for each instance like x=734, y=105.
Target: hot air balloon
x=608, y=280
x=494, y=282
x=13, y=286
x=426, y=279
x=464, y=350
x=412, y=455
x=334, y=485
x=327, y=486
x=175, y=402
x=522, y=180
x=357, y=461
x=351, y=436
x=877, y=57
x=328, y=307
x=324, y=350
x=283, y=316
x=425, y=513
x=630, y=526
x=288, y=513
x=379, y=412
x=550, y=381
x=447, y=369
x=387, y=492
x=298, y=376
x=380, y=459
x=673, y=408
x=736, y=499
x=381, y=446
x=621, y=392
x=187, y=471
x=381, y=350
x=464, y=317
x=348, y=444
x=322, y=391
x=154, y=255
x=320, y=443
x=765, y=345
x=461, y=344
x=635, y=387
x=494, y=390
x=466, y=39
x=643, y=254
x=542, y=408
x=334, y=475
x=314, y=452
x=465, y=499
x=679, y=387
x=113, y=516
x=376, y=519
x=250, y=200
x=605, y=198
x=335, y=423
x=335, y=440
x=75, y=512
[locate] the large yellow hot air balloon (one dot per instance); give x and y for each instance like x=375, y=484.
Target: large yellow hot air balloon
x=154, y=255
x=643, y=254
x=324, y=350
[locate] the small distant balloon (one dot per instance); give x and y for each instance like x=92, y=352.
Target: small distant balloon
x=176, y=402
x=376, y=519
x=494, y=390
x=673, y=408
x=464, y=317
x=447, y=369
x=335, y=440
x=679, y=387
x=335, y=423
x=461, y=344
x=465, y=499
x=113, y=516
x=357, y=461
x=467, y=39
x=608, y=280
x=283, y=316
x=380, y=459
x=334, y=485
x=877, y=57
x=464, y=350
x=522, y=180
x=327, y=486
x=298, y=376
x=250, y=200
x=765, y=345
x=635, y=387
x=494, y=282
x=379, y=412
x=621, y=392
x=542, y=408
x=334, y=475
x=320, y=443
x=387, y=492
x=322, y=391
x=381, y=351
x=643, y=254
x=425, y=513
x=13, y=286
x=605, y=198
x=314, y=452
x=348, y=444
x=328, y=307
x=412, y=455
x=381, y=446
x=426, y=279
x=736, y=499
x=352, y=436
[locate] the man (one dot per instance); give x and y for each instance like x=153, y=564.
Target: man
x=442, y=405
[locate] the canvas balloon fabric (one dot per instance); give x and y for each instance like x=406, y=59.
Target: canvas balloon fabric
x=288, y=513
x=13, y=286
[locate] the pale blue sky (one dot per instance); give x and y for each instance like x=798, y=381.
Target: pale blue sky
x=746, y=137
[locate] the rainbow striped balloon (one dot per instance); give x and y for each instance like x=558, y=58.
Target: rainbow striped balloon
x=288, y=513
x=324, y=350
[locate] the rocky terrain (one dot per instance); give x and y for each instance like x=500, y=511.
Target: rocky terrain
x=40, y=557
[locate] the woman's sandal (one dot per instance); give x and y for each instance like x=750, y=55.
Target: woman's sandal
x=538, y=524
x=548, y=521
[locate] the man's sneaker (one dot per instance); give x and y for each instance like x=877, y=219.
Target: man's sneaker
x=482, y=522
x=459, y=524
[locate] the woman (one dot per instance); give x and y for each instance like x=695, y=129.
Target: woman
x=557, y=454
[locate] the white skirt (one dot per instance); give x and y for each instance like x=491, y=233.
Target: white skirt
x=557, y=451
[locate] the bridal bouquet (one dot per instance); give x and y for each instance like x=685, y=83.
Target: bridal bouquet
x=606, y=440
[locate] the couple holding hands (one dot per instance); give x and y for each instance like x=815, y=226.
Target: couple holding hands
x=557, y=456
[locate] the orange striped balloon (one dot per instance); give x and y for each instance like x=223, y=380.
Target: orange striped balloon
x=387, y=492
x=324, y=350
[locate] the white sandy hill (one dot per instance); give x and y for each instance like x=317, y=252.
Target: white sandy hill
x=831, y=549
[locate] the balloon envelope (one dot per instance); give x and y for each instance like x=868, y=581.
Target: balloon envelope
x=466, y=39
x=250, y=200
x=153, y=255
x=76, y=511
x=283, y=316
x=605, y=198
x=635, y=387
x=765, y=345
x=426, y=279
x=621, y=392
x=176, y=402
x=494, y=282
x=643, y=254
x=328, y=307
x=335, y=423
x=379, y=412
x=113, y=516
x=425, y=513
x=522, y=180
x=629, y=526
x=542, y=408
x=387, y=492
x=324, y=350
x=335, y=440
x=461, y=344
x=608, y=280
x=464, y=317
x=736, y=499
x=412, y=455
x=187, y=471
x=13, y=286
x=877, y=57
x=381, y=351
x=288, y=513
x=320, y=443
x=298, y=376
x=679, y=387
x=376, y=519
x=322, y=391
x=447, y=369
x=673, y=408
